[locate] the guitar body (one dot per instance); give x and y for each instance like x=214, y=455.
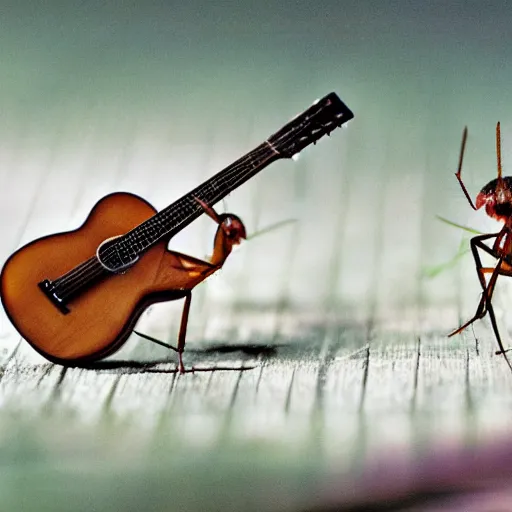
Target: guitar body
x=101, y=318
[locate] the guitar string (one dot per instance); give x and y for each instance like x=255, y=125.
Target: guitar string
x=72, y=280
x=169, y=212
x=71, y=277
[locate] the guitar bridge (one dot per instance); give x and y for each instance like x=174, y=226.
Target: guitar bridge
x=48, y=288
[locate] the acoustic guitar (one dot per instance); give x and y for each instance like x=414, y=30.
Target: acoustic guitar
x=76, y=296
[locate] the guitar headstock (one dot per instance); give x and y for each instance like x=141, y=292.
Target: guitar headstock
x=318, y=120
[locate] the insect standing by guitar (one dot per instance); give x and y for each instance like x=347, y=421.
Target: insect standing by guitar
x=76, y=296
x=496, y=197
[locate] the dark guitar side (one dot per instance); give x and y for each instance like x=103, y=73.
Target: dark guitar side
x=101, y=319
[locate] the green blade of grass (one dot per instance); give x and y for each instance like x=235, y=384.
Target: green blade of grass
x=435, y=270
x=460, y=226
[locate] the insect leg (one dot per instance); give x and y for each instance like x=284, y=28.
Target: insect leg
x=155, y=340
x=485, y=300
x=485, y=305
x=494, y=324
x=209, y=210
x=181, y=336
x=183, y=329
x=476, y=243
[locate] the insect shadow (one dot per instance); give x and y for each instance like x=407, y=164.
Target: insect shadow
x=253, y=350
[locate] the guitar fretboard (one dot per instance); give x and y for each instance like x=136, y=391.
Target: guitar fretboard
x=178, y=215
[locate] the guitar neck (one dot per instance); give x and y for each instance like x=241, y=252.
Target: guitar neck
x=185, y=210
x=318, y=120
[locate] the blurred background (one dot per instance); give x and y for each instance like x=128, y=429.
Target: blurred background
x=348, y=320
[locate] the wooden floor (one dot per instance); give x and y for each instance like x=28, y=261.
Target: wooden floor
x=327, y=398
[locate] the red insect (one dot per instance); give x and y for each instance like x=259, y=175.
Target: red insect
x=192, y=271
x=231, y=232
x=496, y=197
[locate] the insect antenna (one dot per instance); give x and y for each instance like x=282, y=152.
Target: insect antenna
x=498, y=149
x=462, y=150
x=271, y=227
x=459, y=169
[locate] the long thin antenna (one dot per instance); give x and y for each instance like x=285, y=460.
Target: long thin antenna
x=459, y=170
x=462, y=149
x=498, y=149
